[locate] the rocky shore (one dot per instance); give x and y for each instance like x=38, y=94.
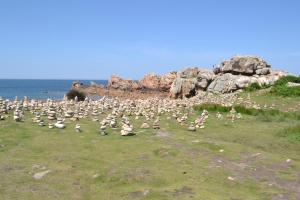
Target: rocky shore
x=231, y=75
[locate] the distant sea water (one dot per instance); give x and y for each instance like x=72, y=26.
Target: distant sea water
x=38, y=89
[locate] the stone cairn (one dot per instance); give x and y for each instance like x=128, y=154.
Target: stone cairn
x=3, y=109
x=60, y=123
x=51, y=112
x=127, y=128
x=156, y=124
x=18, y=113
x=192, y=127
x=103, y=126
x=78, y=128
x=200, y=122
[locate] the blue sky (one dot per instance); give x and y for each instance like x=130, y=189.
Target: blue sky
x=86, y=39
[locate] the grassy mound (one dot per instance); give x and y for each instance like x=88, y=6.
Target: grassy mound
x=280, y=87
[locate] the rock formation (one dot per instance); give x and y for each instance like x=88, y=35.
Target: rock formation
x=237, y=73
x=246, y=65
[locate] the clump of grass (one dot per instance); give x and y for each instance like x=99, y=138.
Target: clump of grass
x=291, y=133
x=255, y=86
x=212, y=107
x=280, y=87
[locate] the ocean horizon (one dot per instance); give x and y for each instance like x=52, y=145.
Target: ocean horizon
x=39, y=88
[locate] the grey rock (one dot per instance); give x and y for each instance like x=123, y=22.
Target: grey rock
x=204, y=78
x=263, y=71
x=223, y=84
x=40, y=175
x=247, y=65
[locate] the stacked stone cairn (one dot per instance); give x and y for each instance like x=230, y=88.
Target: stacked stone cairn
x=60, y=123
x=192, y=127
x=127, y=128
x=156, y=124
x=200, y=122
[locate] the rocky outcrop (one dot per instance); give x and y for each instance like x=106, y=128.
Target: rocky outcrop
x=117, y=82
x=223, y=84
x=189, y=81
x=231, y=75
x=160, y=83
x=204, y=78
x=246, y=65
x=150, y=85
x=237, y=73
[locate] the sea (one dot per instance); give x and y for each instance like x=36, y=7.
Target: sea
x=39, y=89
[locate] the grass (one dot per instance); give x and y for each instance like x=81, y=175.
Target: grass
x=255, y=86
x=182, y=165
x=291, y=133
x=280, y=87
x=267, y=113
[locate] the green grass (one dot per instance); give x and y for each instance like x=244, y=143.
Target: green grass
x=291, y=133
x=182, y=165
x=280, y=87
x=267, y=113
x=255, y=86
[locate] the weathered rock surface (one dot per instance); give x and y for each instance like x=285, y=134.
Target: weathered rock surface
x=247, y=65
x=159, y=83
x=117, y=82
x=223, y=84
x=231, y=75
x=189, y=81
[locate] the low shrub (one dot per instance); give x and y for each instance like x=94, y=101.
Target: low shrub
x=255, y=86
x=280, y=87
x=74, y=93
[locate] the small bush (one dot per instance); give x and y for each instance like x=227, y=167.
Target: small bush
x=280, y=87
x=74, y=93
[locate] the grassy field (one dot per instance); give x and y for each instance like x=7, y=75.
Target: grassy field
x=251, y=158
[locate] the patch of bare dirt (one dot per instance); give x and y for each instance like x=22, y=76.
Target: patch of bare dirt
x=249, y=168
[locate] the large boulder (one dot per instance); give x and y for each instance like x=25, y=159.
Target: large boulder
x=191, y=72
x=247, y=65
x=166, y=81
x=159, y=83
x=204, y=78
x=191, y=80
x=118, y=83
x=183, y=87
x=223, y=84
x=151, y=81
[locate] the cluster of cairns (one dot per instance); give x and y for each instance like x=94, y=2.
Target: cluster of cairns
x=119, y=114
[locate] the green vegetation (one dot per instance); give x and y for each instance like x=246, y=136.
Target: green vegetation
x=72, y=94
x=255, y=86
x=291, y=133
x=152, y=166
x=248, y=111
x=280, y=87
